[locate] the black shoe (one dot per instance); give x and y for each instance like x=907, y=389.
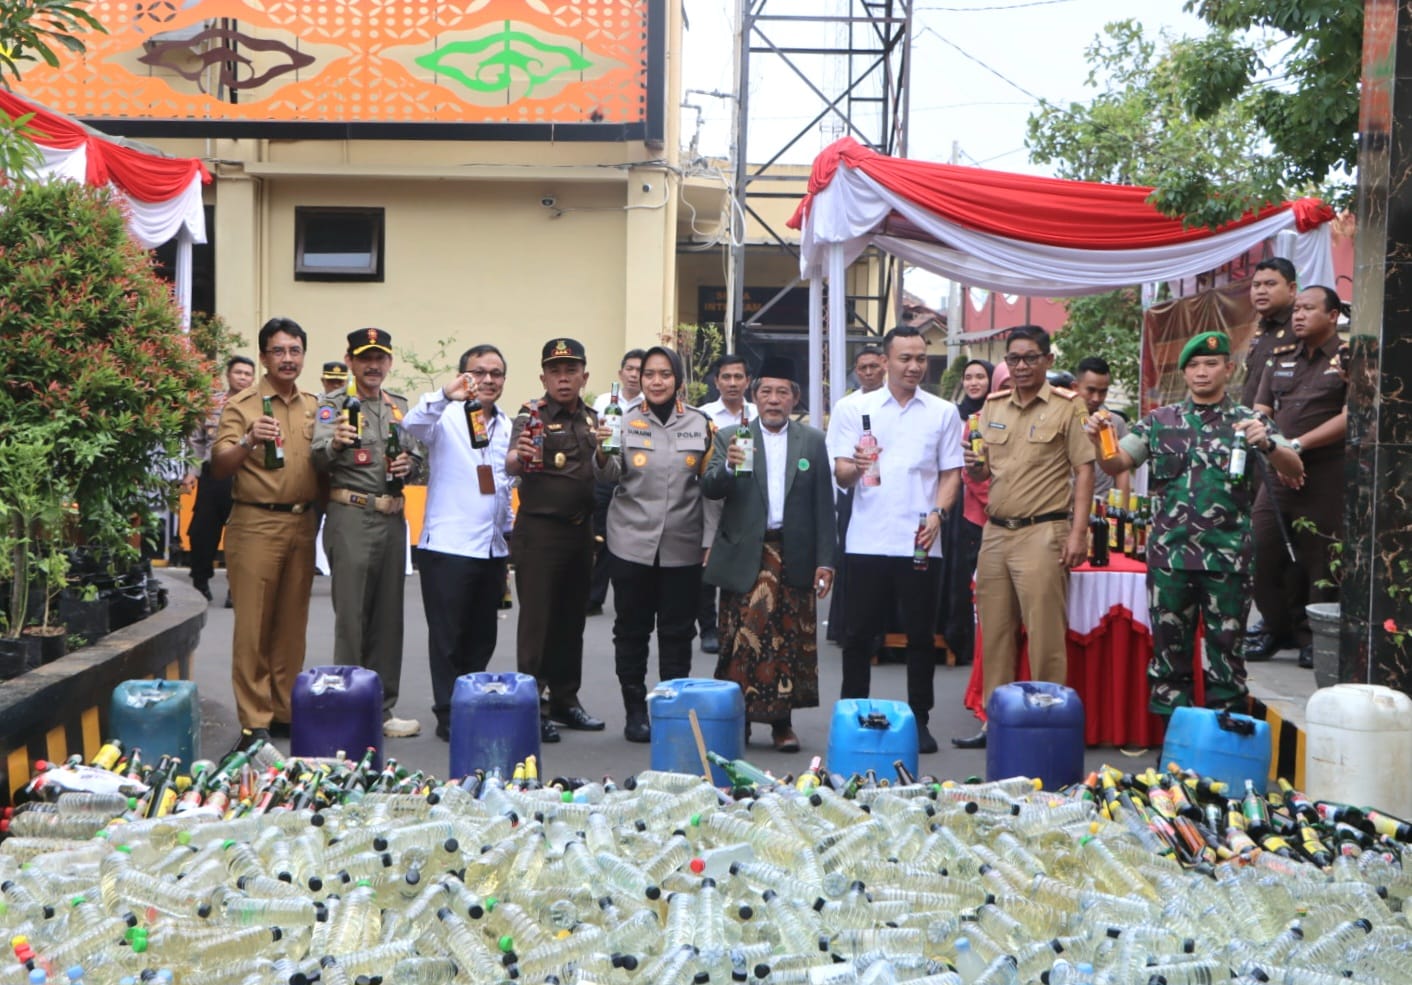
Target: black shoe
x=577, y=718
x=443, y=731
x=1258, y=629
x=204, y=587
x=229, y=604
x=637, y=728
x=1262, y=647
x=279, y=730
x=249, y=737
x=925, y=741
x=548, y=731
x=710, y=641
x=1306, y=656
x=976, y=741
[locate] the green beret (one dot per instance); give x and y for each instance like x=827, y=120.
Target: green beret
x=1205, y=344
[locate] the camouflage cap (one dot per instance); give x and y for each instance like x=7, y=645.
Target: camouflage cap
x=1205, y=344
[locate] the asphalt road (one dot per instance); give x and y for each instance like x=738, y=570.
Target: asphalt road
x=588, y=754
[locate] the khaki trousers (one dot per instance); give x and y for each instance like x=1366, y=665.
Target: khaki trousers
x=1020, y=581
x=367, y=563
x=270, y=562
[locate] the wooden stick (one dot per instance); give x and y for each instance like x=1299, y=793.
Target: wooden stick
x=700, y=744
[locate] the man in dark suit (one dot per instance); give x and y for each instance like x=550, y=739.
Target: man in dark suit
x=773, y=554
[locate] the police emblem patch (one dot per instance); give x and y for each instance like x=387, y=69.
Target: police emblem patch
x=325, y=414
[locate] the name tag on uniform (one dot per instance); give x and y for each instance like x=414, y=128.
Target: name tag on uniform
x=362, y=456
x=485, y=479
x=997, y=425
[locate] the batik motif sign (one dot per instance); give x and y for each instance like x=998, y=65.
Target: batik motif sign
x=590, y=69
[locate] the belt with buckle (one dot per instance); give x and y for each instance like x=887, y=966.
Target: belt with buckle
x=774, y=534
x=277, y=507
x=1017, y=522
x=387, y=505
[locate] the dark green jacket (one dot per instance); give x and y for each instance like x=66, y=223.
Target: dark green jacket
x=807, y=533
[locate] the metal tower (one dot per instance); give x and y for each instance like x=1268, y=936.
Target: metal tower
x=849, y=62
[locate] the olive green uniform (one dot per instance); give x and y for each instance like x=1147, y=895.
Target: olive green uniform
x=365, y=537
x=1198, y=551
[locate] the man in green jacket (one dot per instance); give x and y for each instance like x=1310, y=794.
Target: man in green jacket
x=773, y=554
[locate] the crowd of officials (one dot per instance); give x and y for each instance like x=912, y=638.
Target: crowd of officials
x=734, y=519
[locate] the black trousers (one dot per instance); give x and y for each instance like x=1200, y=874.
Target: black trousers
x=838, y=598
x=875, y=585
x=958, y=622
x=461, y=596
x=1281, y=587
x=603, y=557
x=645, y=595
x=553, y=561
x=706, y=616
x=208, y=520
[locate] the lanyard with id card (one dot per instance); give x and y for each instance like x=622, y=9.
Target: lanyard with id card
x=485, y=475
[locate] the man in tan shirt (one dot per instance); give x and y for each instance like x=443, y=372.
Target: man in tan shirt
x=270, y=536
x=1039, y=462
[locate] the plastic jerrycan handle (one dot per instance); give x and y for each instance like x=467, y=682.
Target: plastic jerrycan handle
x=1230, y=723
x=874, y=720
x=328, y=682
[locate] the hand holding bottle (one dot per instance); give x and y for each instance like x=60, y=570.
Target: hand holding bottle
x=345, y=435
x=460, y=388
x=735, y=455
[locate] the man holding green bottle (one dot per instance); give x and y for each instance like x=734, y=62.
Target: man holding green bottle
x=358, y=444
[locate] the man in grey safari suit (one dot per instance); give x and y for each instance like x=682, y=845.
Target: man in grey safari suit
x=773, y=554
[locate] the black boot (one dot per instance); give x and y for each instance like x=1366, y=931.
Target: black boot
x=636, y=728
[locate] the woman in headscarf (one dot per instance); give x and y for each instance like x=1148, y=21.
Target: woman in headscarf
x=962, y=532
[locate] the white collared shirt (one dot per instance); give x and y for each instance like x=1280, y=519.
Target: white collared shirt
x=776, y=444
x=723, y=417
x=459, y=518
x=918, y=442
x=626, y=403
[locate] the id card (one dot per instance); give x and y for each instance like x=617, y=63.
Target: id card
x=485, y=478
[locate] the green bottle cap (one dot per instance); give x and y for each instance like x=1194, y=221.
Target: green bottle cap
x=123, y=848
x=183, y=837
x=490, y=902
x=363, y=882
x=567, y=797
x=506, y=943
x=77, y=900
x=228, y=844
x=696, y=820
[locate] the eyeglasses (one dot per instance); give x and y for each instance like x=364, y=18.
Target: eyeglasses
x=293, y=352
x=1027, y=359
x=480, y=374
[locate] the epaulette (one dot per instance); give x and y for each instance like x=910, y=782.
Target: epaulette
x=1064, y=392
x=395, y=396
x=997, y=395
x=1284, y=350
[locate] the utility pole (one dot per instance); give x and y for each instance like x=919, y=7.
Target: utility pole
x=740, y=122
x=955, y=314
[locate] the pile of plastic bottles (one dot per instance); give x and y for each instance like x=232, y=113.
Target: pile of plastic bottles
x=230, y=876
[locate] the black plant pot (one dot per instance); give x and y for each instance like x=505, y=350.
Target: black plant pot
x=127, y=605
x=18, y=655
x=86, y=618
x=52, y=644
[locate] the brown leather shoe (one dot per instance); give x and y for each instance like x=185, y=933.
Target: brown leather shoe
x=785, y=740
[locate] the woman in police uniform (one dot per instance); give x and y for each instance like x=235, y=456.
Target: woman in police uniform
x=655, y=525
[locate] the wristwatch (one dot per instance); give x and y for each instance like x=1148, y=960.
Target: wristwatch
x=245, y=441
x=1295, y=446
x=940, y=513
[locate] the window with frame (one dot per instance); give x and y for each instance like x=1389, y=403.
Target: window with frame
x=338, y=243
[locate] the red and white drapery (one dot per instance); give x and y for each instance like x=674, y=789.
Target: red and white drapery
x=1017, y=234
x=161, y=195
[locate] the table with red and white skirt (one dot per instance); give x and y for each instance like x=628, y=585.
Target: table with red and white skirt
x=1109, y=647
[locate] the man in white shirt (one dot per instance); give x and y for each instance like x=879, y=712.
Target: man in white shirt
x=463, y=548
x=893, y=551
x=629, y=399
x=732, y=380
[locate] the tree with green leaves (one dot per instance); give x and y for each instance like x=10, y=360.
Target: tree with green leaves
x=31, y=31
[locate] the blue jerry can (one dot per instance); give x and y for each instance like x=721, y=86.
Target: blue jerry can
x=720, y=711
x=1035, y=729
x=1222, y=745
x=494, y=722
x=871, y=735
x=162, y=718
x=336, y=709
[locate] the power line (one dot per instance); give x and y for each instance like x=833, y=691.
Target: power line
x=995, y=72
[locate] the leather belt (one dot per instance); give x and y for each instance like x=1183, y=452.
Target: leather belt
x=388, y=505
x=1017, y=522
x=278, y=507
x=774, y=535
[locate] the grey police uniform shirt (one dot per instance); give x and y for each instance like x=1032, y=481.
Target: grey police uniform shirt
x=656, y=515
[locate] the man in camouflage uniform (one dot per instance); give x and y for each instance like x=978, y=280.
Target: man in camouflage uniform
x=1198, y=553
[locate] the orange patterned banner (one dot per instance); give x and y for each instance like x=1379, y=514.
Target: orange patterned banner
x=356, y=63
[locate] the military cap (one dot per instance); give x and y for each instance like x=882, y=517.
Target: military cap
x=1205, y=344
x=363, y=339
x=562, y=349
x=335, y=370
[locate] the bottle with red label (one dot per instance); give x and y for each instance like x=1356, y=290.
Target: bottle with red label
x=535, y=430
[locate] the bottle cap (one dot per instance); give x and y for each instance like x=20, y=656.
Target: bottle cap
x=506, y=943
x=698, y=866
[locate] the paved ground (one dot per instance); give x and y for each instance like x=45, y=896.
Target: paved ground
x=595, y=754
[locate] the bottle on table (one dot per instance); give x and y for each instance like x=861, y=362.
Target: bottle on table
x=1117, y=523
x=1098, y=542
x=274, y=450
x=391, y=450
x=746, y=443
x=613, y=418
x=475, y=423
x=872, y=475
x=535, y=430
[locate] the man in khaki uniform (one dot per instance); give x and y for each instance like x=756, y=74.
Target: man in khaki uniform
x=365, y=532
x=270, y=535
x=1040, y=465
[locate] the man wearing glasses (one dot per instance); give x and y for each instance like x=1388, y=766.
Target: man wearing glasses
x=270, y=535
x=1039, y=462
x=464, y=547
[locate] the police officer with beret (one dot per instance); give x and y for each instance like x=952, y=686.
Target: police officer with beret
x=365, y=531
x=552, y=543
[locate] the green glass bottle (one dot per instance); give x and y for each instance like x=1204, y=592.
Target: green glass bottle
x=391, y=450
x=274, y=450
